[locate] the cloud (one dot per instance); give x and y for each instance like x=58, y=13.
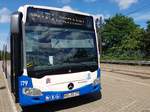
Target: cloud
x=141, y=16
x=124, y=4
x=67, y=7
x=5, y=15
x=89, y=1
x=64, y=1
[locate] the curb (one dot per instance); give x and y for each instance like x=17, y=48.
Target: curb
x=9, y=95
x=127, y=62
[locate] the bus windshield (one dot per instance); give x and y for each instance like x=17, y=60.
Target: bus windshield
x=53, y=50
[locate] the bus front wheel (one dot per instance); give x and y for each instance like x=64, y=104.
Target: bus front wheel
x=97, y=95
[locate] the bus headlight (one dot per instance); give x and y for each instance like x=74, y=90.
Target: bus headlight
x=32, y=92
x=96, y=81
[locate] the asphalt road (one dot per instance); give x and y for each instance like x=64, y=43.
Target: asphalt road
x=124, y=89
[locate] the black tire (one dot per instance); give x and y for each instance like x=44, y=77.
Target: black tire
x=97, y=95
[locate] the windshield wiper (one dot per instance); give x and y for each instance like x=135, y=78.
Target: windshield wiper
x=63, y=68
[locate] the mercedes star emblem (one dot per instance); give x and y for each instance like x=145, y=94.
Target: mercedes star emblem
x=70, y=86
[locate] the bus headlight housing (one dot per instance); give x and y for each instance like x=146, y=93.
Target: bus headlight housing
x=32, y=92
x=96, y=81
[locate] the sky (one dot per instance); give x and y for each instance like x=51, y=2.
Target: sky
x=138, y=9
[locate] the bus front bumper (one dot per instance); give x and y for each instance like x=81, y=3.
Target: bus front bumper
x=25, y=100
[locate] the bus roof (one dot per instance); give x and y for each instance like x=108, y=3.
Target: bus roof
x=57, y=9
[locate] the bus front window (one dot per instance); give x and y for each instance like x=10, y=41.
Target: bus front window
x=50, y=48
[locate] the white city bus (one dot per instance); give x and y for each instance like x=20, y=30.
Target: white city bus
x=53, y=55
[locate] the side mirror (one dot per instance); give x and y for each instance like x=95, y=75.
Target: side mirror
x=15, y=26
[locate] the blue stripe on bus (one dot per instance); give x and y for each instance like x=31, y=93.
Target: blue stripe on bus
x=24, y=81
x=53, y=96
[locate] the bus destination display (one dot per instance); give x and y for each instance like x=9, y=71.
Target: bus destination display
x=57, y=18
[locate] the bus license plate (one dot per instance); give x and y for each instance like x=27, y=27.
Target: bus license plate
x=73, y=94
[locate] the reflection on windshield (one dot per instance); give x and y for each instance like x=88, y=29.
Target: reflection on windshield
x=48, y=48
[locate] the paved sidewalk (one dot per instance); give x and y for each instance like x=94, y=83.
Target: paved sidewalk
x=5, y=98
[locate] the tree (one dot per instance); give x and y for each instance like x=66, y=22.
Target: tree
x=122, y=37
x=146, y=41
